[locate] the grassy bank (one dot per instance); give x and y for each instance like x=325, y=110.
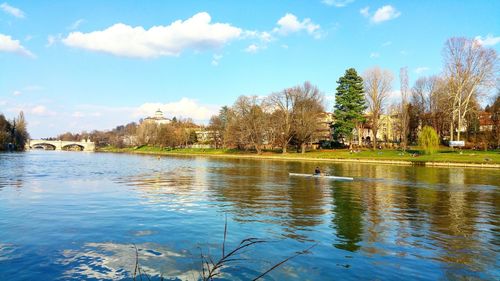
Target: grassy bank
x=444, y=156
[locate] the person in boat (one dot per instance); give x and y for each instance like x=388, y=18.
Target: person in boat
x=317, y=171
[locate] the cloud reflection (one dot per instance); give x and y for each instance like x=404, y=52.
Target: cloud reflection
x=114, y=261
x=7, y=252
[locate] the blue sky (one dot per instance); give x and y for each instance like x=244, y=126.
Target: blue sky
x=83, y=65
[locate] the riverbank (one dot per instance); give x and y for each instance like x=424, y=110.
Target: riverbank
x=445, y=157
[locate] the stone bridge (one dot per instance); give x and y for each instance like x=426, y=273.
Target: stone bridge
x=84, y=145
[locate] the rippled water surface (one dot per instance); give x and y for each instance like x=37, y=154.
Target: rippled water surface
x=77, y=216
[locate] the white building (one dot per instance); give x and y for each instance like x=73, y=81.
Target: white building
x=158, y=118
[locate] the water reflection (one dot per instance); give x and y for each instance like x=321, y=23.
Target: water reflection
x=7, y=252
x=347, y=222
x=113, y=261
x=391, y=221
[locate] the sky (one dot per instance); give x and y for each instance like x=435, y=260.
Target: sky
x=85, y=65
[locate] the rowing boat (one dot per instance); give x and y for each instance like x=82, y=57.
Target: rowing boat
x=321, y=176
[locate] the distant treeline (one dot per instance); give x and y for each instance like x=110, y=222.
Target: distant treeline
x=178, y=133
x=13, y=133
x=292, y=117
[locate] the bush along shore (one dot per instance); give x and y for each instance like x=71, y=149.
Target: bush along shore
x=414, y=156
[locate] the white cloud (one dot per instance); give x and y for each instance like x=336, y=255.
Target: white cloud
x=489, y=40
x=7, y=44
x=289, y=23
x=337, y=3
x=17, y=93
x=386, y=44
x=186, y=108
x=365, y=12
x=51, y=39
x=385, y=13
x=374, y=55
x=120, y=39
x=252, y=48
x=41, y=110
x=263, y=36
x=421, y=69
x=216, y=59
x=382, y=14
x=13, y=11
x=284, y=46
x=76, y=24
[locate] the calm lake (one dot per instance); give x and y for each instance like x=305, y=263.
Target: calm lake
x=77, y=216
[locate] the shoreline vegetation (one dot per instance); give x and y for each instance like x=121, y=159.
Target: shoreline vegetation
x=444, y=157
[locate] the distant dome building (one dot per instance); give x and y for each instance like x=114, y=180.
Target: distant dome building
x=158, y=118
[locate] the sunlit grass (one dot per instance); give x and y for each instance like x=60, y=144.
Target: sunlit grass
x=414, y=154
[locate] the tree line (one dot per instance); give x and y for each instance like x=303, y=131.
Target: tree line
x=13, y=133
x=285, y=118
x=448, y=103
x=178, y=133
x=289, y=117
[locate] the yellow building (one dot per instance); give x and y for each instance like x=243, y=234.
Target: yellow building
x=388, y=129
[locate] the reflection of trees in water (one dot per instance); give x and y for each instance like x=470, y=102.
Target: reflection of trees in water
x=454, y=229
x=175, y=189
x=348, y=218
x=262, y=191
x=252, y=191
x=446, y=212
x=13, y=170
x=439, y=211
x=307, y=206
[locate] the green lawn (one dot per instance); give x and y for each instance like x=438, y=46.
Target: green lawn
x=444, y=155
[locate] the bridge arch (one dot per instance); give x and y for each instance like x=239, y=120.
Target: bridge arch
x=73, y=147
x=44, y=146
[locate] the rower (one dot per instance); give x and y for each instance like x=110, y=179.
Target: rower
x=317, y=171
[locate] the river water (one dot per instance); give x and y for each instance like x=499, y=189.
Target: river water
x=77, y=216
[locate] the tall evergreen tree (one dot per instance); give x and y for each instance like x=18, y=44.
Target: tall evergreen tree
x=349, y=106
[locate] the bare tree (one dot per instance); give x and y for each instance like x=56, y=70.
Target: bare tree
x=251, y=122
x=147, y=133
x=377, y=88
x=430, y=99
x=282, y=104
x=468, y=67
x=404, y=114
x=307, y=109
